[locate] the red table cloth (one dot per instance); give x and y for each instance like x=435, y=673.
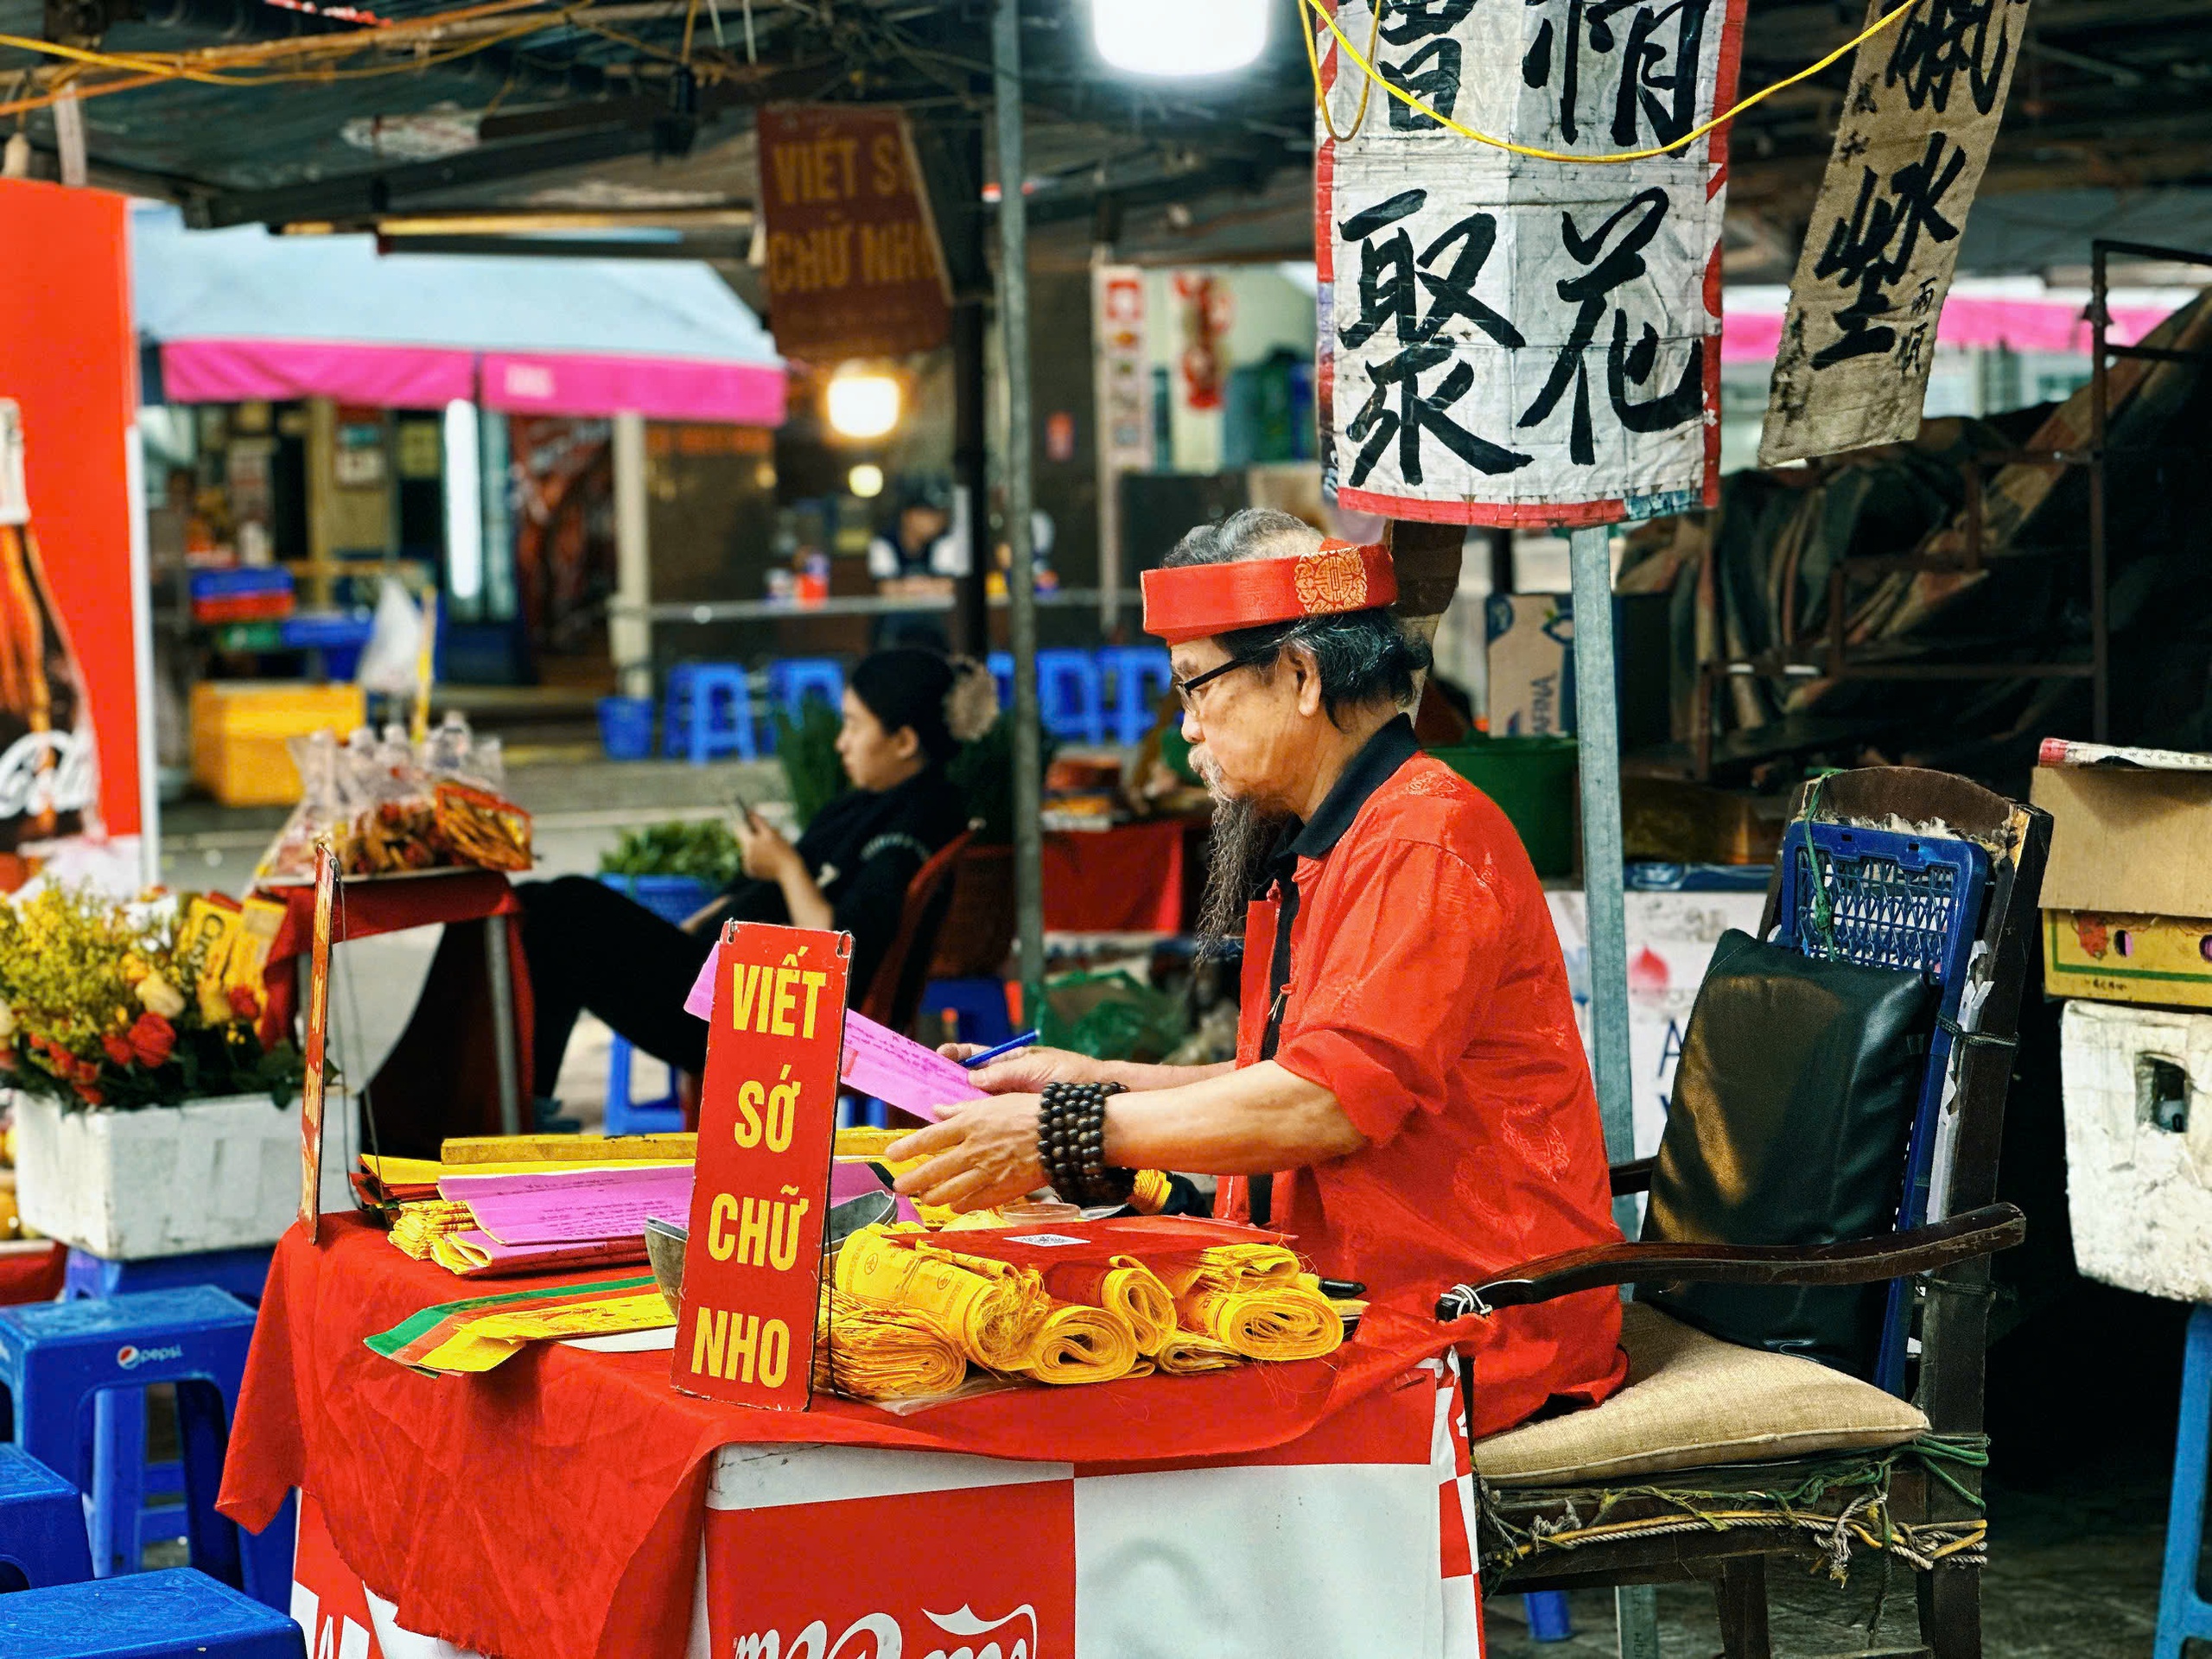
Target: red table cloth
x=31, y=1271
x=1126, y=880
x=555, y=1506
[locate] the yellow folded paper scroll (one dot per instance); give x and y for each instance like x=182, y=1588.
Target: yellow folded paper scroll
x=870, y=1353
x=421, y=1223
x=989, y=1309
x=1256, y=1301
x=1076, y=1343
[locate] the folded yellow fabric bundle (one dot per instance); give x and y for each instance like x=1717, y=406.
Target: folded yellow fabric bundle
x=1079, y=1344
x=422, y=1223
x=866, y=1351
x=1242, y=1265
x=1186, y=1353
x=1264, y=1321
x=1125, y=1285
x=989, y=1309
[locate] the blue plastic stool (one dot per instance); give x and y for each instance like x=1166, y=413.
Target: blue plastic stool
x=708, y=711
x=1000, y=662
x=174, y=1614
x=1547, y=1615
x=979, y=1006
x=2183, y=1611
x=1072, y=694
x=54, y=1356
x=626, y=1116
x=793, y=679
x=41, y=1526
x=1141, y=675
x=125, y=1516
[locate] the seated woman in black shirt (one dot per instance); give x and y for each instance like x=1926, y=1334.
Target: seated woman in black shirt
x=907, y=713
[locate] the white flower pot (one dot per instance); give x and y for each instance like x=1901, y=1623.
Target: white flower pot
x=220, y=1174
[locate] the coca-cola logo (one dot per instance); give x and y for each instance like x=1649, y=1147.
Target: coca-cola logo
x=49, y=771
x=879, y=1635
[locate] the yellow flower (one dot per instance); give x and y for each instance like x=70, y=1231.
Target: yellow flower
x=158, y=996
x=7, y=1022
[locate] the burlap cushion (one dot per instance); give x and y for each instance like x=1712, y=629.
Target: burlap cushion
x=1692, y=1399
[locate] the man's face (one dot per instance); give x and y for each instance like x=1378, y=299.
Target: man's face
x=1249, y=728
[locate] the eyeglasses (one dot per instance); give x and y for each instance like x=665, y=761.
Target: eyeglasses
x=1183, y=689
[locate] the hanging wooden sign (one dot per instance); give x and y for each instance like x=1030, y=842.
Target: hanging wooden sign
x=854, y=268
x=760, y=1203
x=1507, y=340
x=1926, y=97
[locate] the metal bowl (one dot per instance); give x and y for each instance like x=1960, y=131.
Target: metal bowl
x=664, y=1240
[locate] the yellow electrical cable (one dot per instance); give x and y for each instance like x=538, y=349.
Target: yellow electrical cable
x=1366, y=85
x=1534, y=154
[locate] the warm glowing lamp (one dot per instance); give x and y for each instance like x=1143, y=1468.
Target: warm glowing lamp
x=865, y=480
x=862, y=404
x=1174, y=37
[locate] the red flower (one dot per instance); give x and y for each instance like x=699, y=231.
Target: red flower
x=152, y=1039
x=91, y=1096
x=244, y=1003
x=118, y=1049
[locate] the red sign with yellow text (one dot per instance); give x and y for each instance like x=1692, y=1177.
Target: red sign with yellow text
x=852, y=265
x=767, y=1123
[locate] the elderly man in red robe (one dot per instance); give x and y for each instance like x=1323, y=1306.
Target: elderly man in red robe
x=1409, y=1099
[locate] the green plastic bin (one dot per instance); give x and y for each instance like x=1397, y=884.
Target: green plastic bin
x=1533, y=781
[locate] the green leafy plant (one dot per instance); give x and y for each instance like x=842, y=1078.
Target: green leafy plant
x=983, y=773
x=704, y=849
x=807, y=750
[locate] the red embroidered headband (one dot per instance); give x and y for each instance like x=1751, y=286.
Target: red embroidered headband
x=1194, y=601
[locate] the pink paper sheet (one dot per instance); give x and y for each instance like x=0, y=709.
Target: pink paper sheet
x=572, y=1206
x=508, y=1259
x=878, y=1061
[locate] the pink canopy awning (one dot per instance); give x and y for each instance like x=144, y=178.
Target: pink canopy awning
x=2054, y=326
x=409, y=377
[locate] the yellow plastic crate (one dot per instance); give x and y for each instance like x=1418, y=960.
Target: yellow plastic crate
x=239, y=728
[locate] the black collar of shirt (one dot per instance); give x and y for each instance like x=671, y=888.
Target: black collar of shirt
x=1375, y=765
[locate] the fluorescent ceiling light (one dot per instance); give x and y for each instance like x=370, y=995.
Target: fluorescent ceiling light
x=1179, y=37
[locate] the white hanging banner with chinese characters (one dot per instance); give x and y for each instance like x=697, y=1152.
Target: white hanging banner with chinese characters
x=1507, y=340
x=1926, y=97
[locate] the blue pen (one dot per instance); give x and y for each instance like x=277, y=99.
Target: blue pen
x=1000, y=1051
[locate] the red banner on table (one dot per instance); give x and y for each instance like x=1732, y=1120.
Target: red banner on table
x=853, y=263
x=768, y=1121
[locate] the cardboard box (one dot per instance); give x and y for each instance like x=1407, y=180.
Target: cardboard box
x=2128, y=897
x=1531, y=654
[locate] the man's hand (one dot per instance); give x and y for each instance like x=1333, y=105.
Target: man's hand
x=766, y=854
x=1027, y=1070
x=982, y=1154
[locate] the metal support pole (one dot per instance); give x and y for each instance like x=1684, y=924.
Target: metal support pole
x=1597, y=715
x=2099, y=458
x=971, y=615
x=1597, y=733
x=500, y=971
x=629, y=627
x=1021, y=593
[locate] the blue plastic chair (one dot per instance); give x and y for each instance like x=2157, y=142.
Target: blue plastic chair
x=792, y=680
x=673, y=899
x=56, y=1356
x=1548, y=1619
x=1071, y=695
x=1141, y=676
x=2183, y=1610
x=41, y=1526
x=1000, y=662
x=137, y=1502
x=977, y=1005
x=174, y=1614
x=1885, y=899
x=708, y=712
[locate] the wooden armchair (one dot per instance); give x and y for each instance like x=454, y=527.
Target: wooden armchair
x=1714, y=1457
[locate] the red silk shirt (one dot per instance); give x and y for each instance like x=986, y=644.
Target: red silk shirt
x=1426, y=991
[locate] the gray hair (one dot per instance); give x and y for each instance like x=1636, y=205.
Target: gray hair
x=1363, y=656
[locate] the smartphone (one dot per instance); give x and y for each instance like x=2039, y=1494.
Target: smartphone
x=744, y=809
